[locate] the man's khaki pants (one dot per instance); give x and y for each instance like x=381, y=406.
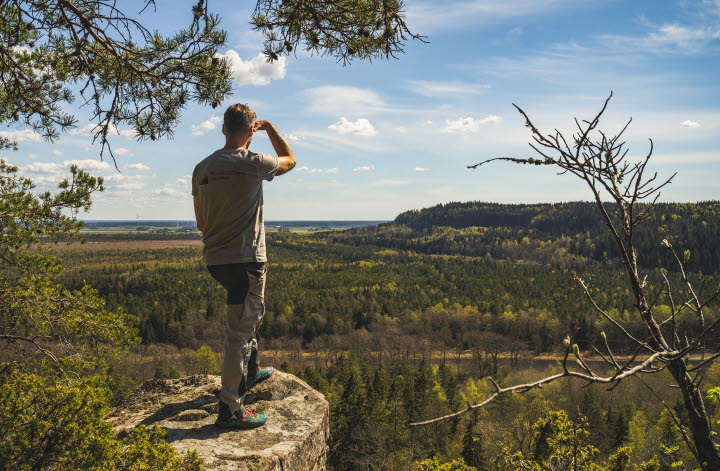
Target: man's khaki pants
x=243, y=322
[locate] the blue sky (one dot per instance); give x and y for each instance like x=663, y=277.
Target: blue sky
x=375, y=139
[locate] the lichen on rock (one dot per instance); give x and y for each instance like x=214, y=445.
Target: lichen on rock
x=293, y=439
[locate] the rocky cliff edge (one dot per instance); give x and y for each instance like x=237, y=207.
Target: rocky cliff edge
x=293, y=439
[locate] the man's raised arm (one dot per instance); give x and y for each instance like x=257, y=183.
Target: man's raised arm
x=286, y=158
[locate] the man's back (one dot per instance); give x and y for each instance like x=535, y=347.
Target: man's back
x=229, y=185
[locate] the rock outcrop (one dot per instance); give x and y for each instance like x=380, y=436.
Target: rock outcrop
x=293, y=439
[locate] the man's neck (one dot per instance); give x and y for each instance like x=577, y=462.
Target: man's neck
x=235, y=145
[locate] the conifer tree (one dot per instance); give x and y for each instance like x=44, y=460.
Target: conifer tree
x=91, y=52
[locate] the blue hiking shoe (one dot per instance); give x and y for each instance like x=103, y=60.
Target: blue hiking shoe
x=261, y=375
x=242, y=418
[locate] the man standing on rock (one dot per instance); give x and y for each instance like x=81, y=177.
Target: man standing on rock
x=228, y=198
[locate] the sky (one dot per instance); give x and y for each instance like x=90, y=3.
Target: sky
x=375, y=139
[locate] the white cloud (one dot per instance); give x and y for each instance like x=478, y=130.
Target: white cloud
x=45, y=167
x=690, y=124
x=293, y=137
x=427, y=15
x=121, y=151
x=137, y=166
x=256, y=71
x=463, y=125
x=91, y=128
x=359, y=127
x=401, y=129
x=91, y=165
x=446, y=89
x=324, y=140
x=55, y=168
x=128, y=186
x=32, y=156
x=169, y=191
x=307, y=169
x=364, y=168
x=56, y=152
x=421, y=169
x=688, y=39
x=332, y=99
x=21, y=135
x=205, y=126
x=674, y=37
x=119, y=181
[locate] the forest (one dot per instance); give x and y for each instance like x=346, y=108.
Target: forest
x=401, y=322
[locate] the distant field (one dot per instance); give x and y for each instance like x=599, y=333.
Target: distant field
x=185, y=226
x=131, y=245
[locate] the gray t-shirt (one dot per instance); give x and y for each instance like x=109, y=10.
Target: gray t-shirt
x=229, y=184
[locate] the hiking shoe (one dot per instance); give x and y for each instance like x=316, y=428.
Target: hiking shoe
x=261, y=375
x=242, y=418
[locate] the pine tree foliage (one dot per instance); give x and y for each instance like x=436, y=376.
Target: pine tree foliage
x=90, y=52
x=343, y=29
x=61, y=427
x=69, y=329
x=95, y=54
x=56, y=344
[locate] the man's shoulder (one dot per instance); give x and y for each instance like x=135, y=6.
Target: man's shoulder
x=214, y=156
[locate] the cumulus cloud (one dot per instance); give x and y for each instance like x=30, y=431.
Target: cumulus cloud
x=21, y=135
x=256, y=71
x=359, y=127
x=58, y=168
x=92, y=165
x=45, y=167
x=137, y=166
x=56, y=152
x=128, y=186
x=401, y=129
x=125, y=182
x=364, y=168
x=205, y=126
x=421, y=169
x=333, y=99
x=293, y=137
x=91, y=128
x=307, y=169
x=690, y=124
x=32, y=156
x=169, y=191
x=463, y=125
x=121, y=151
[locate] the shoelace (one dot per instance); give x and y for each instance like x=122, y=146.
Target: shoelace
x=251, y=413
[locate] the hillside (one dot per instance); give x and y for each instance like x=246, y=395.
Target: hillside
x=566, y=234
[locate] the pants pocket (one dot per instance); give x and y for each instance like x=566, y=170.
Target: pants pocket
x=256, y=283
x=255, y=299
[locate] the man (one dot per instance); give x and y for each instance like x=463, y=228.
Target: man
x=228, y=198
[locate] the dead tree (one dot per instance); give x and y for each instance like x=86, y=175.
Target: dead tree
x=601, y=161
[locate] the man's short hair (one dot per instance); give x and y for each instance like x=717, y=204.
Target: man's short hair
x=238, y=119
